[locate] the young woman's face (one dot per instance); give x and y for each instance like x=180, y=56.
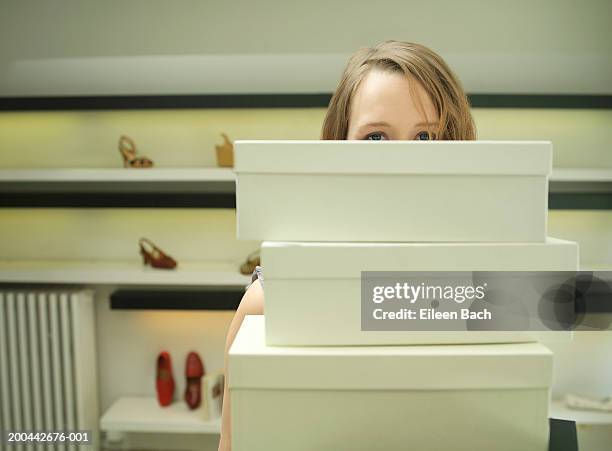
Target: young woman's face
x=384, y=108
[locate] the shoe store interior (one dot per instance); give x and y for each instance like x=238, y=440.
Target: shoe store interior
x=128, y=236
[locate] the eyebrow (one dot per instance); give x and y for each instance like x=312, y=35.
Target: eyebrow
x=375, y=124
x=386, y=124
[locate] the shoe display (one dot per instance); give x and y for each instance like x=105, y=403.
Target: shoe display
x=580, y=402
x=164, y=380
x=127, y=148
x=194, y=370
x=154, y=256
x=251, y=262
x=225, y=153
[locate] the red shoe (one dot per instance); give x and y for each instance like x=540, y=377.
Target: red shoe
x=164, y=381
x=154, y=256
x=194, y=370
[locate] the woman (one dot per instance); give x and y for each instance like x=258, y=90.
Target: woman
x=396, y=90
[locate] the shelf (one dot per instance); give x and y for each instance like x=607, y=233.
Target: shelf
x=581, y=189
x=559, y=410
x=145, y=415
x=187, y=274
x=115, y=175
x=596, y=267
x=581, y=180
x=120, y=188
x=73, y=177
x=581, y=175
x=135, y=414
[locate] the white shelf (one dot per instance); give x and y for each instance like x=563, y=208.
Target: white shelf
x=123, y=187
x=559, y=410
x=121, y=273
x=596, y=267
x=581, y=180
x=212, y=187
x=112, y=175
x=581, y=175
x=146, y=415
x=211, y=174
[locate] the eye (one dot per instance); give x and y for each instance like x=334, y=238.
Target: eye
x=423, y=136
x=376, y=136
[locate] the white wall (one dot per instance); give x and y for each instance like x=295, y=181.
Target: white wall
x=76, y=47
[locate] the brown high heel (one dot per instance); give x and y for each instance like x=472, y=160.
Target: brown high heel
x=155, y=256
x=128, y=152
x=251, y=262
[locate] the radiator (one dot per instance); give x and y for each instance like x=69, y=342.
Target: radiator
x=48, y=364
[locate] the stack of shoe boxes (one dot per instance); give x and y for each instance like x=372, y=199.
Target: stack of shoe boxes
x=305, y=376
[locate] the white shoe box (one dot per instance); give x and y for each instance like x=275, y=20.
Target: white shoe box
x=470, y=191
x=313, y=290
x=459, y=397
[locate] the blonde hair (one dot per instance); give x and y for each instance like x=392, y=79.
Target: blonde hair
x=417, y=62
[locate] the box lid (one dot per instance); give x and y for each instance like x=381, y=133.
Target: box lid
x=329, y=260
x=253, y=365
x=394, y=157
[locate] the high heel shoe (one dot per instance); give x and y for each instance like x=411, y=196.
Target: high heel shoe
x=128, y=152
x=225, y=153
x=194, y=370
x=155, y=256
x=164, y=381
x=252, y=260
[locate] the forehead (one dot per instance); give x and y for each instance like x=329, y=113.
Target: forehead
x=390, y=97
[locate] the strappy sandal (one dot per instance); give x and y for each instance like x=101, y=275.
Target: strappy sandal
x=225, y=153
x=154, y=256
x=251, y=262
x=128, y=152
